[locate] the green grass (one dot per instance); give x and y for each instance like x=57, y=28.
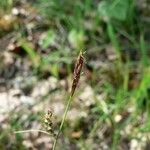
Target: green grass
x=5, y=6
x=113, y=26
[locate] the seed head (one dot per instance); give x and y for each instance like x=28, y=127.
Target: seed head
x=77, y=72
x=48, y=124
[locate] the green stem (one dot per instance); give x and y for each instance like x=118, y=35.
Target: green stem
x=31, y=130
x=62, y=122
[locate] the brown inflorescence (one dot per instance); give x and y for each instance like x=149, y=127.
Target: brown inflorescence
x=77, y=72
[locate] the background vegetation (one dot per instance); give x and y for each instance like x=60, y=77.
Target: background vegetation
x=39, y=43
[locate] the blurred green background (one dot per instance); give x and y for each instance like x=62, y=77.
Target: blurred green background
x=39, y=44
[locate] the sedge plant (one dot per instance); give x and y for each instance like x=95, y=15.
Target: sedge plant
x=48, y=117
x=76, y=77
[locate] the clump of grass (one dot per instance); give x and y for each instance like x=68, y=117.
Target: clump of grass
x=76, y=77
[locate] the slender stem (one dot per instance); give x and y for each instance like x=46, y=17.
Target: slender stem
x=62, y=122
x=31, y=130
